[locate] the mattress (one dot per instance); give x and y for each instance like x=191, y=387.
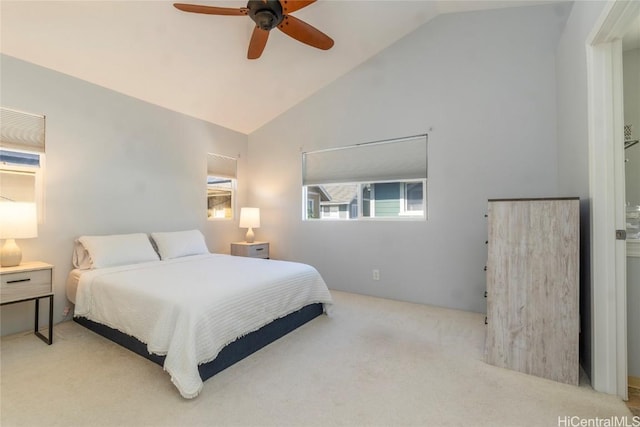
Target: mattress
x=189, y=308
x=72, y=284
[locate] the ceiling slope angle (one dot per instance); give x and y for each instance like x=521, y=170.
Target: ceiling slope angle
x=195, y=63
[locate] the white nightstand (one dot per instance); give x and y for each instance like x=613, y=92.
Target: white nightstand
x=29, y=281
x=252, y=250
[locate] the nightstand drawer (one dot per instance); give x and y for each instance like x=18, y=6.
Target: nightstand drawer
x=252, y=250
x=27, y=284
x=258, y=251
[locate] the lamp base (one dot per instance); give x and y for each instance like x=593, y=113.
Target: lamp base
x=10, y=255
x=250, y=237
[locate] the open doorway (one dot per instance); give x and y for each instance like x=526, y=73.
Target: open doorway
x=631, y=92
x=608, y=198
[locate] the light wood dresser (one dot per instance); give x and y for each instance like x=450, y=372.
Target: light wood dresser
x=533, y=287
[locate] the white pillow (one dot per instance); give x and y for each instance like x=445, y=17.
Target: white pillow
x=81, y=258
x=176, y=244
x=116, y=249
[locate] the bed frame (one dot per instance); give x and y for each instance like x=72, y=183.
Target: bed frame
x=232, y=353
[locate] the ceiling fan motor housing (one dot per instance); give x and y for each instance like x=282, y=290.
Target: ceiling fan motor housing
x=266, y=14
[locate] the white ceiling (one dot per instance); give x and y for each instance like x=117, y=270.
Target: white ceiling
x=196, y=64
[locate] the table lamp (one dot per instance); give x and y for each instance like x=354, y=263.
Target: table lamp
x=250, y=218
x=18, y=220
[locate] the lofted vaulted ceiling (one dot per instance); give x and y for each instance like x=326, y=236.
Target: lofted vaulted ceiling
x=197, y=64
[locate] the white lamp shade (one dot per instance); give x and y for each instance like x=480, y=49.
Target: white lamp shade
x=18, y=220
x=250, y=218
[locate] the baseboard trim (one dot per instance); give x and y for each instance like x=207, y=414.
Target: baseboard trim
x=634, y=382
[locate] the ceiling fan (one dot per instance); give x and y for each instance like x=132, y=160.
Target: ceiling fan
x=269, y=14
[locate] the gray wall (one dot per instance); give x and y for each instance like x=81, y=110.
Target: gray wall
x=483, y=85
x=114, y=165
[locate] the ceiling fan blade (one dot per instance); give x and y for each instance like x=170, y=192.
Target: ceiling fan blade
x=211, y=10
x=305, y=33
x=289, y=6
x=258, y=42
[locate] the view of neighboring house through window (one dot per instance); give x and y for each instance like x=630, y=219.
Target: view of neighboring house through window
x=378, y=180
x=221, y=186
x=22, y=158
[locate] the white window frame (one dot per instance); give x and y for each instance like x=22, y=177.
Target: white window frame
x=372, y=201
x=403, y=202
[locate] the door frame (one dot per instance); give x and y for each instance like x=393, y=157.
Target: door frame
x=606, y=191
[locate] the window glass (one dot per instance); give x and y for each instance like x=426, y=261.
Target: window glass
x=8, y=157
x=221, y=186
x=413, y=198
x=376, y=200
x=21, y=178
x=17, y=186
x=219, y=198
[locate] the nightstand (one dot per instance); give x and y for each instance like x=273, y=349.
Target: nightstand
x=29, y=281
x=251, y=250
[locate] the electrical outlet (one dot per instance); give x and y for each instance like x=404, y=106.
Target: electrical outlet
x=376, y=274
x=66, y=311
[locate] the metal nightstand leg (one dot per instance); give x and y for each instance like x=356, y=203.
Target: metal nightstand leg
x=35, y=328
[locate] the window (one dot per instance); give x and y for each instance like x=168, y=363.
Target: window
x=22, y=158
x=413, y=202
x=378, y=180
x=221, y=186
x=19, y=175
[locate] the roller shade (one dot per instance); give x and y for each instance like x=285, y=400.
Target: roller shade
x=221, y=166
x=21, y=131
x=392, y=160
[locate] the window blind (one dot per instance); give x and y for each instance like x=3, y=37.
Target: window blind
x=391, y=160
x=21, y=131
x=221, y=166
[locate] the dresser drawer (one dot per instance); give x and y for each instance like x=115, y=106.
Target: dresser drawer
x=27, y=284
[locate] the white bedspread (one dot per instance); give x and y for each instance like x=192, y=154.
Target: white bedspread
x=190, y=308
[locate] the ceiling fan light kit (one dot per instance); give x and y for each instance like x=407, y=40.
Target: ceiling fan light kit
x=269, y=14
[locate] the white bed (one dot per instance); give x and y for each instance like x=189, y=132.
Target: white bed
x=189, y=308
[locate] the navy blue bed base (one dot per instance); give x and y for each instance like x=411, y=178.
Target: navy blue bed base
x=232, y=353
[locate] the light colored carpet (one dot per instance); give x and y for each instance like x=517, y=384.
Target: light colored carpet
x=371, y=362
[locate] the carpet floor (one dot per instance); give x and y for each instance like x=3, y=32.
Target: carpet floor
x=634, y=401
x=371, y=362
